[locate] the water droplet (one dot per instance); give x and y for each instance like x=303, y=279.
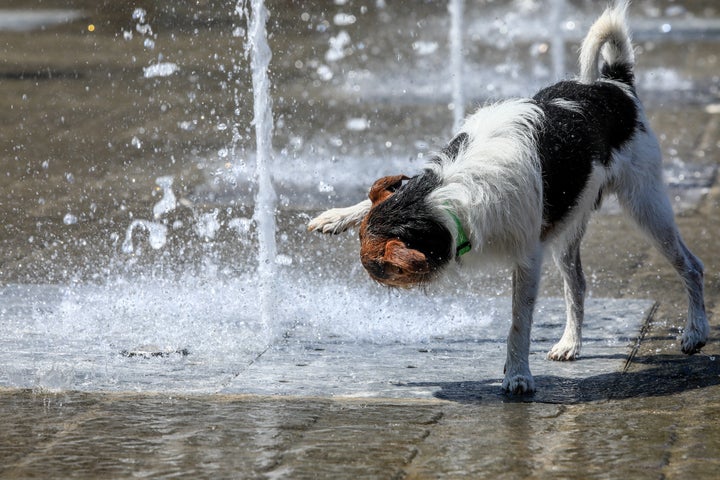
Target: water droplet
x=357, y=124
x=324, y=73
x=338, y=44
x=139, y=14
x=207, y=225
x=283, y=260
x=325, y=188
x=168, y=201
x=424, y=48
x=240, y=225
x=157, y=235
x=343, y=19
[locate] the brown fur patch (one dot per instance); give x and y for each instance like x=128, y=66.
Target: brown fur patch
x=404, y=259
x=384, y=187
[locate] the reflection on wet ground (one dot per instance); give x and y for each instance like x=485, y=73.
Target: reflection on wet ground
x=126, y=148
x=658, y=425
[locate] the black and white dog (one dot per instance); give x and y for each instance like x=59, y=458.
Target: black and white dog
x=522, y=177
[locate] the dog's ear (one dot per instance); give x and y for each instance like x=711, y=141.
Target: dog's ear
x=403, y=259
x=385, y=187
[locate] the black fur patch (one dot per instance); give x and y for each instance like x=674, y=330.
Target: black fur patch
x=408, y=216
x=456, y=144
x=453, y=148
x=570, y=142
x=622, y=72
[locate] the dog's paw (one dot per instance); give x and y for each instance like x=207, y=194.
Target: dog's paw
x=693, y=339
x=333, y=221
x=519, y=384
x=564, y=351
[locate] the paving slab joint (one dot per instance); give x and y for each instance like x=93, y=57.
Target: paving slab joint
x=643, y=332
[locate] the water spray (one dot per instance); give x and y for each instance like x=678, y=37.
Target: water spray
x=259, y=51
x=456, y=62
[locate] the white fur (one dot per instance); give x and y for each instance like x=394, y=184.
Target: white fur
x=568, y=105
x=337, y=220
x=639, y=187
x=609, y=33
x=495, y=185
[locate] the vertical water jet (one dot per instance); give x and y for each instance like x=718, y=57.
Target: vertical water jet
x=456, y=62
x=260, y=54
x=557, y=47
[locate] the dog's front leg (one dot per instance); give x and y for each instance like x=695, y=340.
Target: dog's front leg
x=526, y=278
x=337, y=220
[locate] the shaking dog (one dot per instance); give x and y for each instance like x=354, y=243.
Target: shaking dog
x=520, y=179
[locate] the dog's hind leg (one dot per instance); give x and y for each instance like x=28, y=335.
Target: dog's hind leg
x=657, y=221
x=645, y=199
x=525, y=281
x=337, y=220
x=567, y=259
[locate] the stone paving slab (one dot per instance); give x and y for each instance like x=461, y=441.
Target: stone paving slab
x=44, y=347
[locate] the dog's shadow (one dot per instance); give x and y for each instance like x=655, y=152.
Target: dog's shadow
x=658, y=375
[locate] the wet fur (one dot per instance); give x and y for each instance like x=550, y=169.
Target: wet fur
x=523, y=176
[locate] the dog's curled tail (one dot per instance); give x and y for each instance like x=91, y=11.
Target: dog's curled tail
x=609, y=35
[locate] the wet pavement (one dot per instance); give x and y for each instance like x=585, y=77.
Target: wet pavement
x=136, y=349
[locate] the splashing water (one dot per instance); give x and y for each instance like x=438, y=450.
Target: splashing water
x=168, y=202
x=157, y=235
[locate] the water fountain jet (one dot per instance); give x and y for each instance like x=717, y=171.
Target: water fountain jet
x=456, y=62
x=557, y=48
x=264, y=216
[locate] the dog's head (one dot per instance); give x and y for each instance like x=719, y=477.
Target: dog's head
x=402, y=244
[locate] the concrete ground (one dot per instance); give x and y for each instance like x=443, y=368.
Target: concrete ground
x=85, y=133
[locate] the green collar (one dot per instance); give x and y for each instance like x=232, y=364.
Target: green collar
x=462, y=246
